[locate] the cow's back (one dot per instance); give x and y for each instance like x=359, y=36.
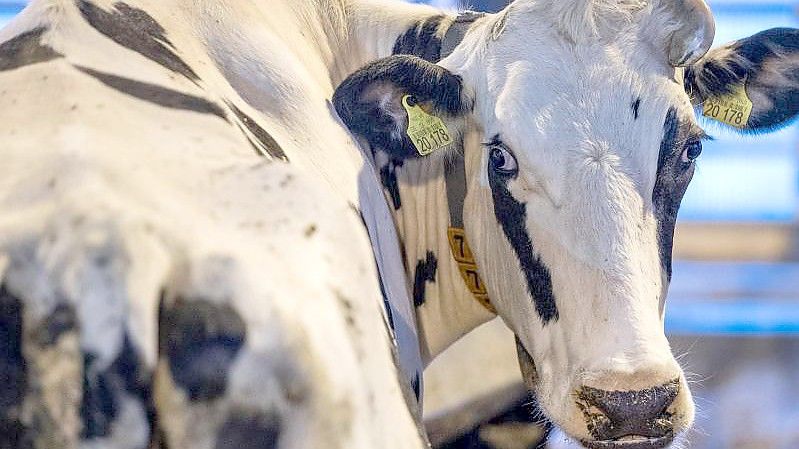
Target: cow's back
x=139, y=183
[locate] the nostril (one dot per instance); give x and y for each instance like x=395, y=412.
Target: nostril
x=613, y=414
x=644, y=403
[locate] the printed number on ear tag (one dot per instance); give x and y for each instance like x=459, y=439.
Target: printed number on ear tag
x=427, y=132
x=733, y=109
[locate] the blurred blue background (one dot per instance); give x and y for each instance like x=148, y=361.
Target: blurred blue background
x=9, y=9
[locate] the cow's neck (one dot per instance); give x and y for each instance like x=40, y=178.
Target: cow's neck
x=446, y=308
x=417, y=190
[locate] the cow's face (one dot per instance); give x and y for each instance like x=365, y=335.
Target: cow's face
x=579, y=155
x=577, y=124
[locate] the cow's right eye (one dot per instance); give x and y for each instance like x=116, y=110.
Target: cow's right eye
x=692, y=152
x=500, y=159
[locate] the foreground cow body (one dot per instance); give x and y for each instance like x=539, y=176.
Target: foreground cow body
x=165, y=285
x=157, y=269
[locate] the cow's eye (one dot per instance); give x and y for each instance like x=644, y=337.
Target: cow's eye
x=692, y=152
x=501, y=159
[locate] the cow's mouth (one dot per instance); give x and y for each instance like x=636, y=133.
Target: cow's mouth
x=631, y=442
x=527, y=365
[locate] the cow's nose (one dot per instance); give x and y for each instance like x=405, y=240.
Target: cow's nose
x=612, y=415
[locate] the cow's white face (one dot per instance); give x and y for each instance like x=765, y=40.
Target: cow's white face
x=577, y=161
x=580, y=144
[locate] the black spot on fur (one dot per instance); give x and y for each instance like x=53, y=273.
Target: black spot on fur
x=407, y=74
x=26, y=49
x=155, y=94
x=250, y=430
x=15, y=435
x=266, y=144
x=512, y=216
x=636, y=107
x=423, y=39
x=136, y=380
x=425, y=272
x=672, y=181
x=201, y=339
x=310, y=230
x=349, y=311
x=388, y=177
x=100, y=405
x=13, y=372
x=136, y=30
x=61, y=321
x=103, y=390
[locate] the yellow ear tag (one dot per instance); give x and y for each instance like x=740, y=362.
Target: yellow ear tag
x=733, y=109
x=427, y=132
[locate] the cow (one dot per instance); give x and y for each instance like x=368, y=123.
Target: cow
x=195, y=193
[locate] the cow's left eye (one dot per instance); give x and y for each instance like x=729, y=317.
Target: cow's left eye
x=502, y=160
x=691, y=152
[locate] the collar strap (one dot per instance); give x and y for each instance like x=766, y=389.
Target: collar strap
x=455, y=176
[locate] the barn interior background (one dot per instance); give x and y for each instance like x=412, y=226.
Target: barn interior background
x=733, y=311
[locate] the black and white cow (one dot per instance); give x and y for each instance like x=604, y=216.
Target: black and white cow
x=183, y=264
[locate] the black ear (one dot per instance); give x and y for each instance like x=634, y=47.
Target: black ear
x=766, y=65
x=370, y=101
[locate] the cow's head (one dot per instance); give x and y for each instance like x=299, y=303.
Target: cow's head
x=578, y=126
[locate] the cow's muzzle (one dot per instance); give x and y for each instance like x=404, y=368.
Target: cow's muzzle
x=629, y=419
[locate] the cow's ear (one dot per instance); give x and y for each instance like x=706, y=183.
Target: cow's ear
x=751, y=84
x=392, y=99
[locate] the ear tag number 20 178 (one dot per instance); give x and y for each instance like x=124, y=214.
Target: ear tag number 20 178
x=733, y=109
x=427, y=132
